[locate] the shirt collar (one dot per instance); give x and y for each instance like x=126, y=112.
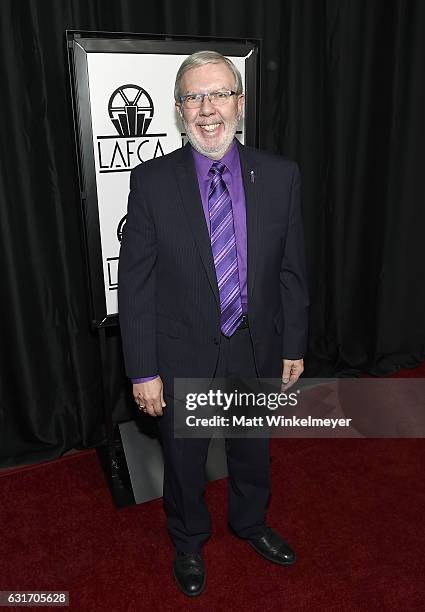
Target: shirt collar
x=203, y=163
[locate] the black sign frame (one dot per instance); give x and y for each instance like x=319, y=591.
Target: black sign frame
x=79, y=44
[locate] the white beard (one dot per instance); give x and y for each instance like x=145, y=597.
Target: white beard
x=212, y=151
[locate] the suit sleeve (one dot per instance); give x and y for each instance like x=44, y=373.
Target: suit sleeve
x=136, y=285
x=293, y=280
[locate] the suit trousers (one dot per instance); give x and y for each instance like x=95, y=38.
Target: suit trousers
x=248, y=462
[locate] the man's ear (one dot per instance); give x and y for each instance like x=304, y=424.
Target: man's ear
x=179, y=110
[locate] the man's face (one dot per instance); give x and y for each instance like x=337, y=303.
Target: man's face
x=210, y=129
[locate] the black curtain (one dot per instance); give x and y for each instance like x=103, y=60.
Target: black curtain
x=343, y=93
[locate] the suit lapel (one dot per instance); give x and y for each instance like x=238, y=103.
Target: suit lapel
x=192, y=204
x=252, y=184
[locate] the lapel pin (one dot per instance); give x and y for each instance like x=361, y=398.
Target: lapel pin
x=252, y=175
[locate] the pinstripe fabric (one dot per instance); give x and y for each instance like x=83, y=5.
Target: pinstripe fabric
x=169, y=301
x=223, y=245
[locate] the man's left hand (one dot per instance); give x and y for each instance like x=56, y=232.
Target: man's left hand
x=292, y=370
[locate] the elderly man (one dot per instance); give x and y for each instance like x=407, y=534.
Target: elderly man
x=212, y=284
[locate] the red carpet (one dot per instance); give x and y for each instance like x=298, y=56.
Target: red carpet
x=352, y=509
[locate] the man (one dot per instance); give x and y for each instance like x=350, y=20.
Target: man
x=212, y=284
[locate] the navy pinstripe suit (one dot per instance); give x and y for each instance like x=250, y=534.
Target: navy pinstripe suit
x=169, y=300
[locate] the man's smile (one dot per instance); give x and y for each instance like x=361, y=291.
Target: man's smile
x=209, y=127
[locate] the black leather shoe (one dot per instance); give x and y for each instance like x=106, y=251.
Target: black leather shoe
x=274, y=548
x=189, y=573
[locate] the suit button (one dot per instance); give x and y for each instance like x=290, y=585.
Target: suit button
x=216, y=341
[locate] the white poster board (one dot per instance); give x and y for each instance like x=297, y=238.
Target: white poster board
x=133, y=94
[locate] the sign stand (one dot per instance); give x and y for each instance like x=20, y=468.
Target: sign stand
x=111, y=454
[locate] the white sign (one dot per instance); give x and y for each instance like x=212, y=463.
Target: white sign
x=133, y=120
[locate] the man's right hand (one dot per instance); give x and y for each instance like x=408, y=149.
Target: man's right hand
x=149, y=396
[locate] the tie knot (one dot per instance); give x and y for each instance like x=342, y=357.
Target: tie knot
x=217, y=168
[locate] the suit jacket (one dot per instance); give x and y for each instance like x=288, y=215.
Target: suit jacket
x=168, y=295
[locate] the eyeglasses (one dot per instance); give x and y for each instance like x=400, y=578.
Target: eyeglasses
x=217, y=98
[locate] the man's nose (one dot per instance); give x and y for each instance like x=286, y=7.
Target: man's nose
x=206, y=107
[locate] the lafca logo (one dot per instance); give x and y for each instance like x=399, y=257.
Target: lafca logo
x=131, y=110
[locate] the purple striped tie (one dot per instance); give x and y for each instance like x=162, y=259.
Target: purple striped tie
x=223, y=245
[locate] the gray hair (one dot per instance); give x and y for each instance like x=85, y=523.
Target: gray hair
x=200, y=58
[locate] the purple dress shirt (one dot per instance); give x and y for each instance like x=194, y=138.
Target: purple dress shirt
x=233, y=178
